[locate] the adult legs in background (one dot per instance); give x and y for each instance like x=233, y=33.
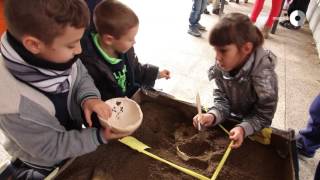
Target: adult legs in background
x=257, y=7
x=206, y=9
x=2, y=21
x=216, y=7
x=197, y=9
x=274, y=12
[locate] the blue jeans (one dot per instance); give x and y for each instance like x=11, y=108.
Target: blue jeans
x=310, y=136
x=197, y=9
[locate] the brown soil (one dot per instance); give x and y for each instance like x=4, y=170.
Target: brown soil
x=164, y=129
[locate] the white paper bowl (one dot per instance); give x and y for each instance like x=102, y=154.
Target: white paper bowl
x=126, y=115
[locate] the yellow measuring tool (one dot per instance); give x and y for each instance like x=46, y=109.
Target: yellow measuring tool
x=135, y=144
x=139, y=146
x=224, y=157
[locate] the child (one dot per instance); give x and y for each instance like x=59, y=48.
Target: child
x=45, y=88
x=109, y=55
x=244, y=73
x=308, y=140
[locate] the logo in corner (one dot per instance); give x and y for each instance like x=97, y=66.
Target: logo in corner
x=297, y=18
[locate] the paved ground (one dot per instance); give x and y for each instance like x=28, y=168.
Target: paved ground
x=163, y=41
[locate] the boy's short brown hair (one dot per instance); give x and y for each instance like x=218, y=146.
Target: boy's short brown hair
x=114, y=18
x=44, y=19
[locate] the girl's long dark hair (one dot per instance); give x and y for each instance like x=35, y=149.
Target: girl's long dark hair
x=235, y=28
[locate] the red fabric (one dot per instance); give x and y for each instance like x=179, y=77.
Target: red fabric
x=274, y=12
x=2, y=22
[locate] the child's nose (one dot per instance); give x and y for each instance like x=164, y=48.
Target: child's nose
x=218, y=54
x=218, y=57
x=78, y=49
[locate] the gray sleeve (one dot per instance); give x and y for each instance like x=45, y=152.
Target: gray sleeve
x=85, y=85
x=49, y=144
x=221, y=108
x=266, y=87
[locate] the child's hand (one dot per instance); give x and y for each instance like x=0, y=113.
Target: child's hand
x=164, y=74
x=237, y=135
x=95, y=105
x=110, y=135
x=204, y=119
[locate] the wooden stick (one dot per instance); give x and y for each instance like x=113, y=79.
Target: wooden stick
x=199, y=109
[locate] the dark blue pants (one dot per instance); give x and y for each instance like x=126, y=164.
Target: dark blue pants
x=18, y=170
x=310, y=136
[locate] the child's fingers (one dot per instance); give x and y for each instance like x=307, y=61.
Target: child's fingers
x=109, y=134
x=195, y=121
x=236, y=137
x=206, y=123
x=236, y=144
x=195, y=124
x=168, y=75
x=87, y=115
x=165, y=74
x=108, y=111
x=104, y=111
x=232, y=135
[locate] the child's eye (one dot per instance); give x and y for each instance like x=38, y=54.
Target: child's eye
x=223, y=50
x=71, y=47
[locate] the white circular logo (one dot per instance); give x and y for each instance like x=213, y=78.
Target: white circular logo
x=297, y=18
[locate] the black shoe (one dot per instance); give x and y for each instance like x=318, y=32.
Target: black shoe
x=206, y=11
x=225, y=2
x=200, y=27
x=287, y=24
x=236, y=1
x=282, y=23
x=301, y=149
x=194, y=31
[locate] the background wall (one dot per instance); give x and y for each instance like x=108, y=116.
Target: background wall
x=313, y=16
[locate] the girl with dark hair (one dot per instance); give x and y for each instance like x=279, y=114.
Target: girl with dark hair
x=246, y=83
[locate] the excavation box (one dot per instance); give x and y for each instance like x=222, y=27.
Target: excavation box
x=167, y=129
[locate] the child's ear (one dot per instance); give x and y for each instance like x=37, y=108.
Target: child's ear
x=107, y=39
x=32, y=44
x=247, y=48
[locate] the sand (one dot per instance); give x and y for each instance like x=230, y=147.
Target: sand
x=165, y=129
